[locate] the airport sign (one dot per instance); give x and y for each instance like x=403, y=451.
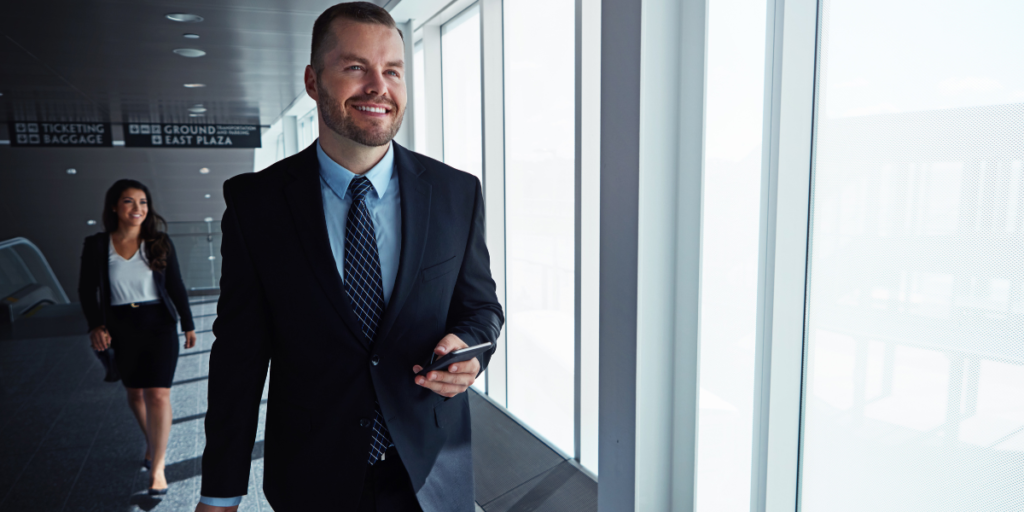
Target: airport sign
x=166, y=135
x=37, y=134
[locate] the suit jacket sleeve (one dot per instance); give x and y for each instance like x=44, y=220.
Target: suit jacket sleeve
x=474, y=314
x=89, y=286
x=238, y=365
x=176, y=289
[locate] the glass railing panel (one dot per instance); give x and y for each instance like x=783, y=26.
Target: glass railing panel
x=198, y=248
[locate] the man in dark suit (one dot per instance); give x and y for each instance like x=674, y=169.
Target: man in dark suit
x=344, y=267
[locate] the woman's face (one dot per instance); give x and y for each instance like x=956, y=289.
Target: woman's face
x=132, y=208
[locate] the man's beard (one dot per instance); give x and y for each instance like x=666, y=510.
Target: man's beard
x=338, y=120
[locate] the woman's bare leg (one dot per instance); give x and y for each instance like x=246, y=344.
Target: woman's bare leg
x=137, y=403
x=158, y=425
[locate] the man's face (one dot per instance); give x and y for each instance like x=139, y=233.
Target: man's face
x=360, y=91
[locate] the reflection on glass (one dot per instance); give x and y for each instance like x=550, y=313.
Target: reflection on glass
x=419, y=91
x=539, y=215
x=732, y=185
x=460, y=87
x=915, y=366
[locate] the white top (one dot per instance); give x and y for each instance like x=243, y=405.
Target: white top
x=131, y=280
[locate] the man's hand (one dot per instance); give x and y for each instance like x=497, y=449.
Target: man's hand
x=203, y=507
x=100, y=338
x=190, y=339
x=458, y=378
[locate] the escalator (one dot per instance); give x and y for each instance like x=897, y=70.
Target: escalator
x=33, y=304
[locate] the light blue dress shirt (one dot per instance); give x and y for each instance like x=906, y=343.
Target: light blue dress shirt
x=385, y=210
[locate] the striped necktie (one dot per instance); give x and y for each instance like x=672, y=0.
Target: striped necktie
x=363, y=286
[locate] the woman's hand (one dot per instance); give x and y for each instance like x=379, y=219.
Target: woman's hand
x=100, y=338
x=190, y=339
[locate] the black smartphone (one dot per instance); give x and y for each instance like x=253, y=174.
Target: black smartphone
x=464, y=354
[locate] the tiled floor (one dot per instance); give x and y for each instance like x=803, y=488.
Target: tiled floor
x=69, y=443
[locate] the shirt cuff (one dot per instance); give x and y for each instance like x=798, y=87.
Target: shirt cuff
x=220, y=502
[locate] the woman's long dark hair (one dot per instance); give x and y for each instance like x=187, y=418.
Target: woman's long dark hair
x=153, y=227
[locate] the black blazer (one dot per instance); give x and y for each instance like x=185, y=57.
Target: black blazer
x=94, y=284
x=282, y=301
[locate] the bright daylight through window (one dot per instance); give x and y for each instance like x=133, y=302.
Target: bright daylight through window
x=539, y=213
x=915, y=366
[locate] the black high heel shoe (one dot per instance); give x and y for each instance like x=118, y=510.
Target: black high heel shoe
x=158, y=492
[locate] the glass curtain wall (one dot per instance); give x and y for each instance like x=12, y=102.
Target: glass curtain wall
x=732, y=189
x=419, y=91
x=460, y=89
x=914, y=394
x=539, y=213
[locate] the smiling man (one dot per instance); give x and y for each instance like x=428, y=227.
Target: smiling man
x=344, y=268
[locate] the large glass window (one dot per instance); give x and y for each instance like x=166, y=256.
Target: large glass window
x=914, y=394
x=539, y=214
x=419, y=93
x=460, y=89
x=731, y=216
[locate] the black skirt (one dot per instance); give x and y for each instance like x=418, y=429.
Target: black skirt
x=145, y=341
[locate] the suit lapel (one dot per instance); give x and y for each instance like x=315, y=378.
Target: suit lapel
x=415, y=200
x=307, y=209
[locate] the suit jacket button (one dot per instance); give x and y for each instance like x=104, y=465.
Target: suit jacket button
x=364, y=422
x=375, y=359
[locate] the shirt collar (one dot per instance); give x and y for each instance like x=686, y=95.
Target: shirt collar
x=338, y=177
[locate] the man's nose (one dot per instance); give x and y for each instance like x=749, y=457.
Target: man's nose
x=376, y=86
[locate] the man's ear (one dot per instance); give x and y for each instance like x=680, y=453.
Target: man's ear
x=310, y=79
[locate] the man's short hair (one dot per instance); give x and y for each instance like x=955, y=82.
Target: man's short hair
x=361, y=12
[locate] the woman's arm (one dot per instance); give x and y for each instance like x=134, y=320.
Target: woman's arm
x=176, y=288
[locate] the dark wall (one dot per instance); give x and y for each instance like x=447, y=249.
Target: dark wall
x=40, y=201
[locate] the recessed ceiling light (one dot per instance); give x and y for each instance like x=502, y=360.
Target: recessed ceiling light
x=207, y=196
x=90, y=222
x=194, y=86
x=72, y=171
x=208, y=219
x=190, y=36
x=198, y=109
x=204, y=170
x=184, y=17
x=189, y=52
x=211, y=258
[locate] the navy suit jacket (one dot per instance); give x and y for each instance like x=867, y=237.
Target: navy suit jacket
x=282, y=304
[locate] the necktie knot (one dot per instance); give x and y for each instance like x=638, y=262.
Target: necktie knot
x=360, y=187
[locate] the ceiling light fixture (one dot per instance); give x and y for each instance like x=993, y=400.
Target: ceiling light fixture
x=190, y=36
x=198, y=109
x=72, y=171
x=90, y=222
x=191, y=53
x=208, y=219
x=204, y=170
x=207, y=196
x=194, y=86
x=182, y=17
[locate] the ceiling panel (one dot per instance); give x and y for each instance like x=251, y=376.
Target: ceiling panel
x=113, y=60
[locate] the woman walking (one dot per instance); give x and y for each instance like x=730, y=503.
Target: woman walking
x=131, y=291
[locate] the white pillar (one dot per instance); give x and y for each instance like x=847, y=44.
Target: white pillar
x=588, y=227
x=407, y=133
x=290, y=129
x=432, y=83
x=652, y=108
x=492, y=96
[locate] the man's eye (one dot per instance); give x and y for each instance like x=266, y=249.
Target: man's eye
x=355, y=67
